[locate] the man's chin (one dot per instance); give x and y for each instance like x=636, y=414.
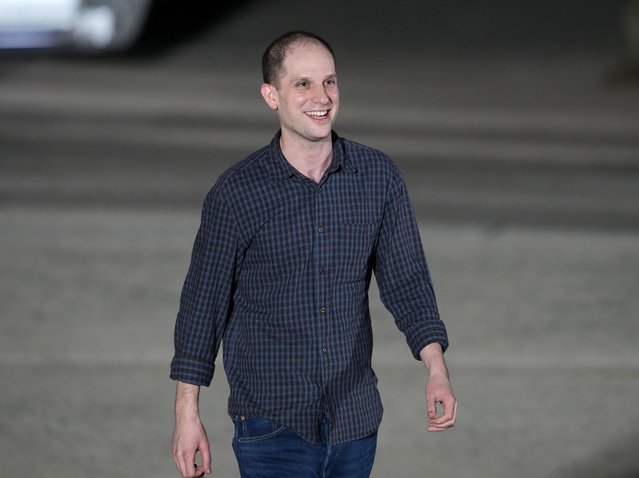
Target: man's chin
x=322, y=135
x=315, y=135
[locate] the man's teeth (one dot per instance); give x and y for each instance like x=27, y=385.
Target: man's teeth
x=317, y=114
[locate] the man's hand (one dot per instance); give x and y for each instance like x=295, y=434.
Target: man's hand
x=438, y=390
x=189, y=435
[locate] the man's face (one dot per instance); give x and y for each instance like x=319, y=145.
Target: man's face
x=306, y=97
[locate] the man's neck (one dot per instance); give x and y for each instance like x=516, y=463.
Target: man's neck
x=311, y=158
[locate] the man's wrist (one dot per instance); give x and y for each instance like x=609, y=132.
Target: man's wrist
x=187, y=400
x=433, y=358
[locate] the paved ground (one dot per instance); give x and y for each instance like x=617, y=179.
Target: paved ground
x=544, y=353
x=523, y=163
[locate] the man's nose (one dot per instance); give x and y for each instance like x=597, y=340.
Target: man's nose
x=320, y=95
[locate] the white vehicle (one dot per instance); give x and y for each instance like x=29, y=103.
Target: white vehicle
x=86, y=25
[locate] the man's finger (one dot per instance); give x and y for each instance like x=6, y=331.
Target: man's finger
x=199, y=471
x=185, y=465
x=449, y=412
x=431, y=407
x=447, y=419
x=205, y=451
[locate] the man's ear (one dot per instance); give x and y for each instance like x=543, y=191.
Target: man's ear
x=269, y=93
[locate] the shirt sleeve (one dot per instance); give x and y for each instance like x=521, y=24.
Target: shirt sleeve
x=206, y=298
x=402, y=274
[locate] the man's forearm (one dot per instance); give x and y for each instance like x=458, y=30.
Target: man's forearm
x=187, y=400
x=189, y=436
x=433, y=358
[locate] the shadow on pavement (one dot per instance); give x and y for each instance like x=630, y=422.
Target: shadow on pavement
x=618, y=460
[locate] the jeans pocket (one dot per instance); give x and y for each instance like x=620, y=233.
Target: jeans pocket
x=251, y=429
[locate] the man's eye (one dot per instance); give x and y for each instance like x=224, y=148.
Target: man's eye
x=302, y=84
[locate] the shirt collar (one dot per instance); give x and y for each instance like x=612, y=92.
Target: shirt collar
x=281, y=169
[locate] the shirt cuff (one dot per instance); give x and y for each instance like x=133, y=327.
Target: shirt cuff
x=191, y=370
x=418, y=343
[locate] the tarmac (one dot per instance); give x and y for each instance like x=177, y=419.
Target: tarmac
x=524, y=174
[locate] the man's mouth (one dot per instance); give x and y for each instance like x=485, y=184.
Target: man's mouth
x=317, y=114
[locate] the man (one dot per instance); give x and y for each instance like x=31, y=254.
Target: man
x=280, y=270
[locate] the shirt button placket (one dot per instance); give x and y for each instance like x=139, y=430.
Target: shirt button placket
x=323, y=280
x=322, y=270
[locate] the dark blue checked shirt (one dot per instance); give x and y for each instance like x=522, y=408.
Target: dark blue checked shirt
x=280, y=270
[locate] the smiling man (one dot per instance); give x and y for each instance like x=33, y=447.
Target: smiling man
x=280, y=272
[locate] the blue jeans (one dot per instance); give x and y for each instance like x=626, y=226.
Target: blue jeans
x=266, y=449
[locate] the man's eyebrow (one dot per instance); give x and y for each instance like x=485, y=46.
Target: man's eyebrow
x=308, y=78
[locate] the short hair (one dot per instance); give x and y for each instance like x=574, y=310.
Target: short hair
x=274, y=56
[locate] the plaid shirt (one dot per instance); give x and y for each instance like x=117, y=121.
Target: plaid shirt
x=280, y=270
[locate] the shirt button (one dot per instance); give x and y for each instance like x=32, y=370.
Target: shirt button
x=322, y=270
x=324, y=349
x=321, y=229
x=322, y=310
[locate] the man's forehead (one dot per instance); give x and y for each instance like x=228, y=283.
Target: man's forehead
x=302, y=47
x=297, y=58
